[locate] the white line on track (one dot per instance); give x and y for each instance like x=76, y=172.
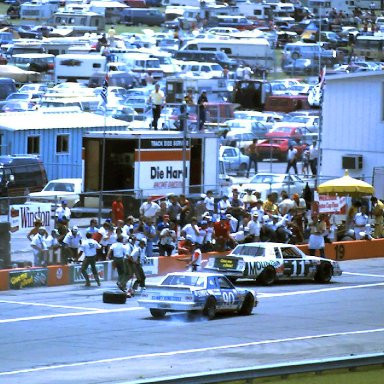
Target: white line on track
x=189, y=351
x=72, y=314
x=26, y=303
x=363, y=274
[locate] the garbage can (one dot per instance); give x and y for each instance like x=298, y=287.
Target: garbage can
x=5, y=245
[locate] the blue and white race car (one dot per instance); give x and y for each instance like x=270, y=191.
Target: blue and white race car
x=197, y=292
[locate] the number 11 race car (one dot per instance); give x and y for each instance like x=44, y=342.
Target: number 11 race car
x=268, y=262
x=197, y=292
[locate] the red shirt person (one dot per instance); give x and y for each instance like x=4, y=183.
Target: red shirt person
x=117, y=210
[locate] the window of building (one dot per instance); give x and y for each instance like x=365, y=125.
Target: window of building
x=62, y=143
x=33, y=146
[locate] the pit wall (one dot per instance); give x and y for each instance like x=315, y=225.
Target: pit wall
x=57, y=275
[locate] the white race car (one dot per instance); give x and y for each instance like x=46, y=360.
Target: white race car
x=268, y=262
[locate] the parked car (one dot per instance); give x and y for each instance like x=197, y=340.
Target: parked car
x=258, y=129
x=286, y=130
x=234, y=160
x=60, y=189
x=197, y=292
x=278, y=148
x=269, y=262
x=22, y=101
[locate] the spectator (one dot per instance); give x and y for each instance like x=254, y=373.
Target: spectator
x=35, y=230
x=139, y=258
x=292, y=159
x=53, y=245
x=196, y=259
x=188, y=98
x=167, y=240
x=39, y=247
x=223, y=205
x=253, y=154
x=202, y=102
x=316, y=238
x=209, y=203
x=71, y=243
x=63, y=212
x=192, y=229
x=92, y=226
x=157, y=99
x=185, y=245
x=149, y=209
x=117, y=210
x=313, y=157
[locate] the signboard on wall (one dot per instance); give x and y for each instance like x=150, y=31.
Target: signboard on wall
x=23, y=216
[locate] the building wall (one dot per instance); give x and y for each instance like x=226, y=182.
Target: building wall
x=353, y=123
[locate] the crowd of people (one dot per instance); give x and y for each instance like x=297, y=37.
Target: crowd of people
x=179, y=226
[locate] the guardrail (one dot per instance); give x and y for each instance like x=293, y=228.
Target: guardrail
x=264, y=371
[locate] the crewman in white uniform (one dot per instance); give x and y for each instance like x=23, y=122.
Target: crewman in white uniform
x=89, y=247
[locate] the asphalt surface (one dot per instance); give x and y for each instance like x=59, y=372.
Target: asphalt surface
x=67, y=334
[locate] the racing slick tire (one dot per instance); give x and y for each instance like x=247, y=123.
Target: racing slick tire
x=209, y=310
x=324, y=273
x=268, y=276
x=114, y=297
x=157, y=313
x=248, y=304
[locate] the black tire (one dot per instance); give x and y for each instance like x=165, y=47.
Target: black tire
x=210, y=308
x=248, y=304
x=324, y=273
x=157, y=313
x=114, y=297
x=268, y=276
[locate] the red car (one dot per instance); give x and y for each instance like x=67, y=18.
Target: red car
x=278, y=148
x=285, y=130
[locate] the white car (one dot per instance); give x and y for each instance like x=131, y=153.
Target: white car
x=60, y=189
x=268, y=262
x=267, y=183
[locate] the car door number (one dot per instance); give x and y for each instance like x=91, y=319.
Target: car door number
x=295, y=268
x=228, y=298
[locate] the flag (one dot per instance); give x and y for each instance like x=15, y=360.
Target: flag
x=104, y=91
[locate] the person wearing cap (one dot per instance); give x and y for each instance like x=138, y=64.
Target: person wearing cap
x=53, y=245
x=40, y=247
x=258, y=209
x=202, y=102
x=254, y=226
x=249, y=199
x=63, y=212
x=139, y=258
x=150, y=208
x=89, y=249
x=71, y=244
x=167, y=240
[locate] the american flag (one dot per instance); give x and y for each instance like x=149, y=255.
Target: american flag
x=104, y=91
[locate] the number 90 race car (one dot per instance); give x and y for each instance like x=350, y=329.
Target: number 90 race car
x=197, y=292
x=268, y=262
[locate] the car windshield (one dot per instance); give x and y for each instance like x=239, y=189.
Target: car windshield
x=187, y=280
x=62, y=187
x=267, y=179
x=249, y=251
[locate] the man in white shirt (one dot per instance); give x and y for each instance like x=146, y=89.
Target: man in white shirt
x=63, y=212
x=40, y=248
x=313, y=155
x=157, y=99
x=291, y=159
x=71, y=243
x=117, y=253
x=89, y=248
x=149, y=209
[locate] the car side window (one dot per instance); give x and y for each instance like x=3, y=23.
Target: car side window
x=289, y=253
x=277, y=253
x=223, y=283
x=211, y=283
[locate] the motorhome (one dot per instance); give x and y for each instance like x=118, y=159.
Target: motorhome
x=111, y=10
x=254, y=52
x=79, y=22
x=38, y=10
x=78, y=67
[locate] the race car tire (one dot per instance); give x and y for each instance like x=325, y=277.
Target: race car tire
x=248, y=304
x=209, y=310
x=268, y=276
x=324, y=273
x=114, y=297
x=157, y=313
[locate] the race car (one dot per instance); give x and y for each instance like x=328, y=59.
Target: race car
x=268, y=262
x=197, y=292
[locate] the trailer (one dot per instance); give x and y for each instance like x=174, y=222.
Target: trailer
x=144, y=163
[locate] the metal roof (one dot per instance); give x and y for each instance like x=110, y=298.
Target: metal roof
x=17, y=121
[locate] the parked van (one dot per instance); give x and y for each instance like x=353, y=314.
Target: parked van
x=7, y=86
x=208, y=69
x=78, y=67
x=24, y=46
x=136, y=16
x=115, y=79
x=254, y=52
x=142, y=64
x=299, y=50
x=220, y=58
x=20, y=175
x=79, y=22
x=38, y=10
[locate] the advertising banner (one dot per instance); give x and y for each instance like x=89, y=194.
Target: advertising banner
x=330, y=204
x=23, y=216
x=77, y=277
x=28, y=278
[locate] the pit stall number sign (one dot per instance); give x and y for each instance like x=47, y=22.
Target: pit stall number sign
x=159, y=165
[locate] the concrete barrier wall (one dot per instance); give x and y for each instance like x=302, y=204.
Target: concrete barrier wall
x=56, y=275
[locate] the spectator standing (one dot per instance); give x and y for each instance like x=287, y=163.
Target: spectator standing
x=92, y=226
x=291, y=159
x=149, y=209
x=316, y=241
x=167, y=240
x=117, y=210
x=186, y=210
x=209, y=202
x=196, y=259
x=223, y=205
x=188, y=98
x=174, y=210
x=39, y=247
x=253, y=154
x=361, y=222
x=63, y=212
x=185, y=245
x=89, y=248
x=150, y=234
x=157, y=99
x=53, y=245
x=313, y=157
x=377, y=213
x=192, y=229
x=202, y=101
x=35, y=230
